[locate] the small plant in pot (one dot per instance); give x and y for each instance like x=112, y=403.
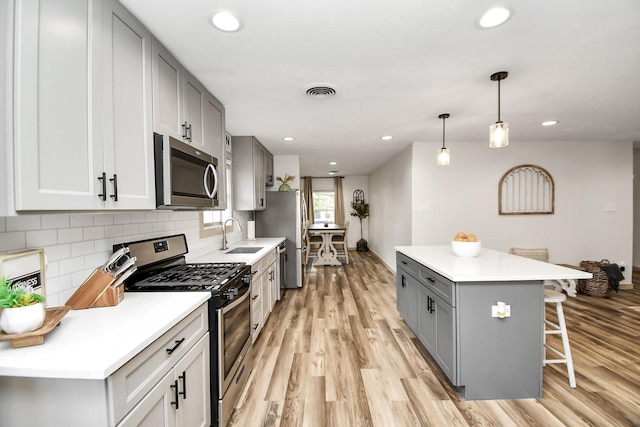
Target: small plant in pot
x=21, y=309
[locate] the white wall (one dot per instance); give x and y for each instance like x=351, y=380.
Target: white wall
x=349, y=185
x=464, y=197
x=390, y=189
x=286, y=165
x=636, y=208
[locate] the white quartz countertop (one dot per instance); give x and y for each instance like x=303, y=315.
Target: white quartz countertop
x=489, y=265
x=94, y=343
x=266, y=243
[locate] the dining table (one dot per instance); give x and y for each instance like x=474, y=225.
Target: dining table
x=327, y=253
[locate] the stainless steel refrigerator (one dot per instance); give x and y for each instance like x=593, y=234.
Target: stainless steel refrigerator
x=283, y=217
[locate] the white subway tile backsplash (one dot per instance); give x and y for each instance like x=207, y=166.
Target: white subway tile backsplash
x=103, y=219
x=71, y=265
x=81, y=220
x=68, y=235
x=123, y=218
x=23, y=223
x=58, y=252
x=39, y=238
x=76, y=244
x=114, y=231
x=55, y=221
x=13, y=241
x=82, y=248
x=93, y=233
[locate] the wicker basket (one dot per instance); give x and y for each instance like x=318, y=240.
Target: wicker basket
x=598, y=286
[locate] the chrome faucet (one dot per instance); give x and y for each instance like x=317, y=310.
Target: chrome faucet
x=224, y=232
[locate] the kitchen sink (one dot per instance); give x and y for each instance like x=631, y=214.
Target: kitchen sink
x=245, y=250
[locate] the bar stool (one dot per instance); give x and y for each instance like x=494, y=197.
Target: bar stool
x=557, y=298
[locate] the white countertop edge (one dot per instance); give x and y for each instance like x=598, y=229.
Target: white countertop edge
x=79, y=348
x=489, y=265
x=267, y=243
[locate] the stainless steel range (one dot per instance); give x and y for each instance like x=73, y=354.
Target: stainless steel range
x=162, y=267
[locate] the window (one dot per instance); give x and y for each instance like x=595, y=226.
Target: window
x=211, y=221
x=324, y=206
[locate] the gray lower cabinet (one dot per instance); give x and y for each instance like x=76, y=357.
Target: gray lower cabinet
x=483, y=356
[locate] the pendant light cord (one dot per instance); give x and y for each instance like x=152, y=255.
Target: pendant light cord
x=499, y=100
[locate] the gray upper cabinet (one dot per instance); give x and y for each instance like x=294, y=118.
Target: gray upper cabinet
x=82, y=134
x=268, y=168
x=167, y=93
x=249, y=173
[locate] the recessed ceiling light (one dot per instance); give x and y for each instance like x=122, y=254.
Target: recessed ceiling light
x=332, y=173
x=225, y=21
x=494, y=17
x=333, y=163
x=550, y=123
x=288, y=138
x=386, y=137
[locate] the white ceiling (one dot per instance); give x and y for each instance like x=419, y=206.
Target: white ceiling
x=398, y=64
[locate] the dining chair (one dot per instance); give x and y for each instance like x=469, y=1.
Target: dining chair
x=340, y=243
x=313, y=243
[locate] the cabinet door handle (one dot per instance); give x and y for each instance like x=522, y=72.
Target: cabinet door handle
x=103, y=195
x=183, y=377
x=431, y=279
x=256, y=326
x=174, y=386
x=178, y=342
x=404, y=262
x=189, y=134
x=255, y=297
x=404, y=282
x=114, y=196
x=184, y=130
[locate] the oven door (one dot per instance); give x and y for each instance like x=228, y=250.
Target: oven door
x=234, y=335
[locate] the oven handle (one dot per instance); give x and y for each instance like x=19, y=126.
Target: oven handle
x=236, y=302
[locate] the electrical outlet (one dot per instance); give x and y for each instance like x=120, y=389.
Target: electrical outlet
x=501, y=311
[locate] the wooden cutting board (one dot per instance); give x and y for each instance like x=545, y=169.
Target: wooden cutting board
x=26, y=339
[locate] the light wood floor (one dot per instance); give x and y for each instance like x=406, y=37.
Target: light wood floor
x=337, y=353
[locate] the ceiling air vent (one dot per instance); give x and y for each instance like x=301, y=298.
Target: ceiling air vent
x=321, y=90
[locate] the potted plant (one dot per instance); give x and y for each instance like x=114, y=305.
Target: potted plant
x=361, y=210
x=21, y=309
x=284, y=181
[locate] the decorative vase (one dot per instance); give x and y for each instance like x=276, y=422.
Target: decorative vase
x=362, y=246
x=284, y=187
x=18, y=320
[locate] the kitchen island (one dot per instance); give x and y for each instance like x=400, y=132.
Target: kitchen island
x=480, y=318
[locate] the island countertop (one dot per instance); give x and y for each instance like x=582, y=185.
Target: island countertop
x=489, y=265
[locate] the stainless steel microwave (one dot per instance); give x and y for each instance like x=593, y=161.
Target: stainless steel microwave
x=186, y=177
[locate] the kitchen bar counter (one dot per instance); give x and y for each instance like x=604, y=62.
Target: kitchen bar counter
x=94, y=343
x=489, y=265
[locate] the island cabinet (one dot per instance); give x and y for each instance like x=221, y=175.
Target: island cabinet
x=484, y=357
x=165, y=384
x=82, y=107
x=252, y=165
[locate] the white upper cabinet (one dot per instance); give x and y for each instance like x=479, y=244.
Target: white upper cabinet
x=57, y=105
x=214, y=137
x=82, y=122
x=128, y=127
x=167, y=93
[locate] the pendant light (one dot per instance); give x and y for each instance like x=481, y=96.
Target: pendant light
x=499, y=131
x=443, y=153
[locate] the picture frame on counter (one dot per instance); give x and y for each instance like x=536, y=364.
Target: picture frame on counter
x=25, y=267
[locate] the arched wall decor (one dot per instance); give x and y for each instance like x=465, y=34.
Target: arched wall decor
x=526, y=190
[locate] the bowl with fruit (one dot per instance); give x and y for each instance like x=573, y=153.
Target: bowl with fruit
x=466, y=245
